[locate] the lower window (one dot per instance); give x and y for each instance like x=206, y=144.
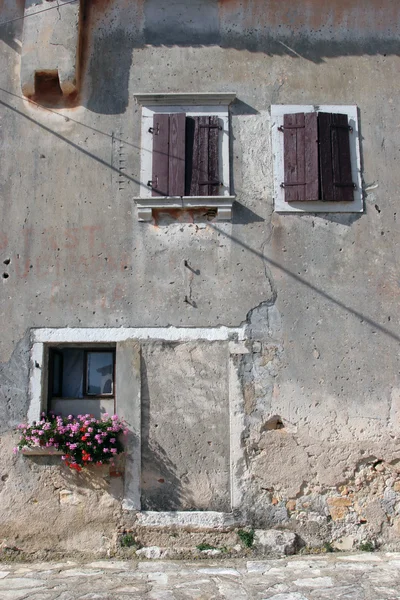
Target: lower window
x=81, y=380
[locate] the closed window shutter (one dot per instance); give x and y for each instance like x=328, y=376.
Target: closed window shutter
x=202, y=152
x=335, y=160
x=168, y=174
x=300, y=132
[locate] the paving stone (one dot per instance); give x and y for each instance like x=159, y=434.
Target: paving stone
x=12, y=583
x=313, y=582
x=338, y=577
x=293, y=596
x=110, y=564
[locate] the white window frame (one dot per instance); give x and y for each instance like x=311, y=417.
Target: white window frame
x=316, y=206
x=129, y=408
x=194, y=105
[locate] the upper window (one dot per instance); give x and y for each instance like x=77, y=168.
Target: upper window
x=185, y=153
x=316, y=159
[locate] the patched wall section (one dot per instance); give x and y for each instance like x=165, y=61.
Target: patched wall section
x=185, y=426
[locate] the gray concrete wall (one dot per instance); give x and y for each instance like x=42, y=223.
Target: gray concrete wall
x=326, y=287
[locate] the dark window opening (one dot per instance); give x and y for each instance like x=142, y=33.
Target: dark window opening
x=77, y=373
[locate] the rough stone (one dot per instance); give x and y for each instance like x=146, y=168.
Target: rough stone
x=375, y=515
x=339, y=501
x=338, y=512
x=345, y=543
x=275, y=542
x=150, y=552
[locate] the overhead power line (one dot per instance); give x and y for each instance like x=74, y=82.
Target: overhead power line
x=38, y=12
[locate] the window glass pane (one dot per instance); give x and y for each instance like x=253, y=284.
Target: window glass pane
x=57, y=374
x=72, y=381
x=99, y=373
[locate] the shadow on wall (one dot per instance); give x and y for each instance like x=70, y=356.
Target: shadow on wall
x=311, y=31
x=11, y=33
x=314, y=30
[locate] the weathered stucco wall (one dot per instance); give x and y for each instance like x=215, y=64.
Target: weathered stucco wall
x=325, y=363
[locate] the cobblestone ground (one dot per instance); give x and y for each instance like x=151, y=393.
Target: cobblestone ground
x=350, y=577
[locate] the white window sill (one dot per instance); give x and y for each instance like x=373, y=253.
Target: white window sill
x=223, y=204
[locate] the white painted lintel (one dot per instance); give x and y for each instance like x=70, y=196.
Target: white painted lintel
x=71, y=335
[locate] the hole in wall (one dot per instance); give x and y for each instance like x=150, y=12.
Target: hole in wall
x=7, y=261
x=274, y=422
x=47, y=85
x=5, y=276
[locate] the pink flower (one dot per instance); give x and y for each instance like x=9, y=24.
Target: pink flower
x=114, y=418
x=15, y=450
x=73, y=446
x=112, y=440
x=114, y=450
x=90, y=429
x=105, y=450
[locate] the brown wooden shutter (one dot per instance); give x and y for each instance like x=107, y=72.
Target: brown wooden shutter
x=202, y=156
x=300, y=132
x=168, y=176
x=335, y=161
x=160, y=175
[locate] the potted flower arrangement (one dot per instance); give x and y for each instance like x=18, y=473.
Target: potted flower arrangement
x=83, y=440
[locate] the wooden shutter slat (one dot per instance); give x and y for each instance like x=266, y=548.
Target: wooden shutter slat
x=177, y=135
x=203, y=136
x=160, y=173
x=213, y=153
x=342, y=177
x=293, y=132
x=335, y=160
x=193, y=156
x=325, y=156
x=191, y=176
x=311, y=156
